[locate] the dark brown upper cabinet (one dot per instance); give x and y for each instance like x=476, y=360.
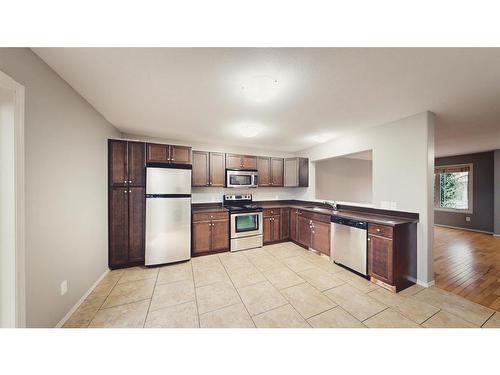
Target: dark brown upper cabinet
x=167, y=154
x=234, y=161
x=264, y=168
x=270, y=171
x=296, y=172
x=208, y=169
x=126, y=163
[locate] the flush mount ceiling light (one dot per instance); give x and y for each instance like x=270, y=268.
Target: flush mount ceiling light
x=260, y=88
x=321, y=138
x=248, y=129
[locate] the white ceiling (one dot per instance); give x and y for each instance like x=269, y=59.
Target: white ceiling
x=195, y=94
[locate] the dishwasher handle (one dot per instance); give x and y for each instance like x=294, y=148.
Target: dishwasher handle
x=349, y=222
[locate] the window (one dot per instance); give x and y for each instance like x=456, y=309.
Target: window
x=453, y=188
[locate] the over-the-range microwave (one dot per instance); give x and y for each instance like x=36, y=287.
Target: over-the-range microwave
x=241, y=179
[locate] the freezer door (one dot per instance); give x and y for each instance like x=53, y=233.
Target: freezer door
x=168, y=181
x=168, y=230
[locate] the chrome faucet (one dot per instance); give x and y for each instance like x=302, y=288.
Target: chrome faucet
x=332, y=204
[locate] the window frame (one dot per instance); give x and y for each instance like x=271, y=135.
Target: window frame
x=470, y=190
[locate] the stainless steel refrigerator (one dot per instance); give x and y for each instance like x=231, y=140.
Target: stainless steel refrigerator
x=168, y=215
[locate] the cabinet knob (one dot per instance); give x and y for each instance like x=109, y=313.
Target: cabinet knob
x=129, y=181
x=378, y=229
x=368, y=239
x=125, y=181
x=125, y=192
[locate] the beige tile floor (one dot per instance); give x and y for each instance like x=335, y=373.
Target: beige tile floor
x=280, y=285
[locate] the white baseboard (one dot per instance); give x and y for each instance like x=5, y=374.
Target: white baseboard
x=467, y=229
x=496, y=235
x=77, y=305
x=426, y=284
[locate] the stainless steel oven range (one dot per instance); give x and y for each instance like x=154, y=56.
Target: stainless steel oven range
x=246, y=222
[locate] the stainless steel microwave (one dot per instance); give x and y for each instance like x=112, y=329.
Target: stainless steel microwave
x=241, y=179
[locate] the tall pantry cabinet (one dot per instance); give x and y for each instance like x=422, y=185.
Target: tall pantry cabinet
x=126, y=197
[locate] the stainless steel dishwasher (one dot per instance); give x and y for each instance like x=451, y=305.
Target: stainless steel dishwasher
x=348, y=243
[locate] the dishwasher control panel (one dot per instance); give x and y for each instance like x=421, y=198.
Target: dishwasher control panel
x=349, y=222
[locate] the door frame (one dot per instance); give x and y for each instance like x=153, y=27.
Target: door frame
x=16, y=255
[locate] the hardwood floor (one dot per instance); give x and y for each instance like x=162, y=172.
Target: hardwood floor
x=468, y=264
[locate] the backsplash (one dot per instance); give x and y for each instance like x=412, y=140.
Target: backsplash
x=211, y=195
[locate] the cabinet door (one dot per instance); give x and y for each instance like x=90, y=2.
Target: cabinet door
x=285, y=223
x=180, y=154
x=276, y=172
x=200, y=172
x=267, y=229
x=293, y=225
x=291, y=172
x=264, y=168
x=304, y=231
x=136, y=164
x=118, y=227
x=136, y=219
x=220, y=235
x=320, y=239
x=249, y=162
x=380, y=258
x=217, y=169
x=276, y=228
x=117, y=162
x=202, y=237
x=157, y=153
x=233, y=161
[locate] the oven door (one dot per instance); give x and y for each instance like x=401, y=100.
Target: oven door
x=237, y=179
x=246, y=224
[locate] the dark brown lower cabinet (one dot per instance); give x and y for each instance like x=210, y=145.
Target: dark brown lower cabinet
x=304, y=231
x=210, y=233
x=320, y=237
x=294, y=221
x=126, y=226
x=392, y=255
x=272, y=228
x=285, y=223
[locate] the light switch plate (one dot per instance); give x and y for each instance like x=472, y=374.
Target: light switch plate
x=467, y=218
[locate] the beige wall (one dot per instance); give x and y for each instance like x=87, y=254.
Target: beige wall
x=66, y=188
x=344, y=180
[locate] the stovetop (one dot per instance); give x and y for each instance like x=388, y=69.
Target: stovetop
x=240, y=203
x=244, y=208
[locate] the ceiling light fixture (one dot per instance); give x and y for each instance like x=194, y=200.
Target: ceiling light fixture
x=248, y=129
x=321, y=138
x=260, y=88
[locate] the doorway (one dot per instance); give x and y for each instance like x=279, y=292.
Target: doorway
x=12, y=276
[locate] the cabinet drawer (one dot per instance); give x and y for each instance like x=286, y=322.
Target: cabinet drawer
x=380, y=230
x=206, y=216
x=271, y=212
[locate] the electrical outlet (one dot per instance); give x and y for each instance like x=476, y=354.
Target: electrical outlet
x=64, y=287
x=467, y=218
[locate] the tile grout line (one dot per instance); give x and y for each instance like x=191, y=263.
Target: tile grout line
x=237, y=292
x=486, y=321
x=421, y=324
x=151, y=299
x=102, y=303
x=195, y=295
